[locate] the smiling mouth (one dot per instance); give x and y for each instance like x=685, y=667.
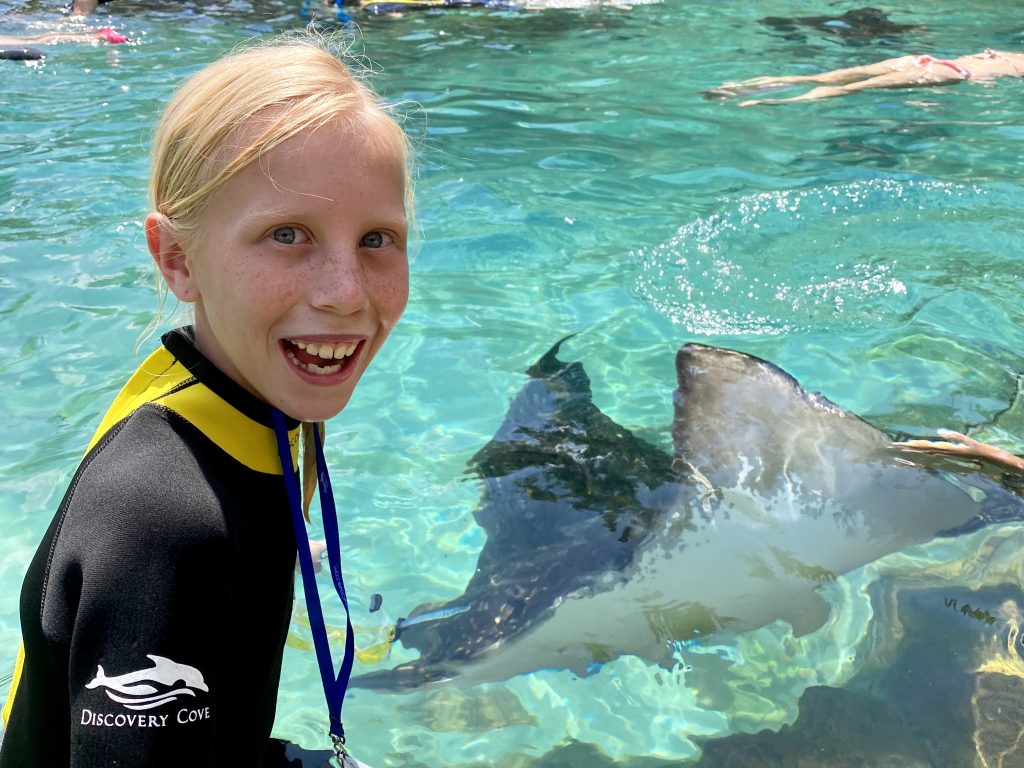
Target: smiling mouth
x=320, y=358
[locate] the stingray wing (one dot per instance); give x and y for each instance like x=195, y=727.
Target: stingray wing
x=822, y=486
x=567, y=496
x=743, y=420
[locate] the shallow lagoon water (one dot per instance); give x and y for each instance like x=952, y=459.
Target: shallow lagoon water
x=571, y=178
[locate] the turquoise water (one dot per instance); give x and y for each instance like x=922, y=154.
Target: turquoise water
x=571, y=178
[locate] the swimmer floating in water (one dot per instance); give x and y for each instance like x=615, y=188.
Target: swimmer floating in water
x=19, y=48
x=900, y=72
x=106, y=34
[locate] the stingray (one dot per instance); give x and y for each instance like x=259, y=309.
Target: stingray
x=601, y=544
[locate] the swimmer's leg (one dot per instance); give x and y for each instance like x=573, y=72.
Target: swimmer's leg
x=898, y=79
x=815, y=94
x=834, y=77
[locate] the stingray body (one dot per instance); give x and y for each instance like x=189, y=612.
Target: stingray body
x=600, y=544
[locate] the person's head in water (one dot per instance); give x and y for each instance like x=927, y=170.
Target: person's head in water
x=279, y=198
x=85, y=7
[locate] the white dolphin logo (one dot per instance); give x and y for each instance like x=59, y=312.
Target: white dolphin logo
x=136, y=693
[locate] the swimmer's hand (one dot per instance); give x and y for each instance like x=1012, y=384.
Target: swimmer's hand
x=317, y=550
x=957, y=444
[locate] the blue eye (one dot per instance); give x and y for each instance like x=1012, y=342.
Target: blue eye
x=285, y=235
x=373, y=240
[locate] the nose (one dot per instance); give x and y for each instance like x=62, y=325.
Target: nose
x=338, y=283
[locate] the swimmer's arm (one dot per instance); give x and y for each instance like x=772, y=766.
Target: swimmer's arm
x=957, y=444
x=106, y=34
x=46, y=39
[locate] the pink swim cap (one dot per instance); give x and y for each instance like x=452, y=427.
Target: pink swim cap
x=111, y=36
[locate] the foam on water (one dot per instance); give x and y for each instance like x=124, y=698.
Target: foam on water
x=840, y=255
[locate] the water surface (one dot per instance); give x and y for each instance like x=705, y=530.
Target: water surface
x=571, y=178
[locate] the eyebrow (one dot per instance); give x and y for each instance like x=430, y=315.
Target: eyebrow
x=265, y=215
x=385, y=220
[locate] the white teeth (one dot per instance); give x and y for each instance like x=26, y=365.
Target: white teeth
x=324, y=352
x=313, y=367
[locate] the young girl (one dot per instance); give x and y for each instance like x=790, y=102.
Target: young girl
x=155, y=611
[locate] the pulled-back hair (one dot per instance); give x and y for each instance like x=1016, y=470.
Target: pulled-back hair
x=284, y=86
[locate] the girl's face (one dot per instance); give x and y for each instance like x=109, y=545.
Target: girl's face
x=299, y=270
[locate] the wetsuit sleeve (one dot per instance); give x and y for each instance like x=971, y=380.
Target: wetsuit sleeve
x=155, y=611
x=146, y=687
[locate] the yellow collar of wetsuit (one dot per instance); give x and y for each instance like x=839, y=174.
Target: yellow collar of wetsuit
x=164, y=381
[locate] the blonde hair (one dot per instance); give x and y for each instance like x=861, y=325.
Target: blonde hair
x=282, y=87
x=286, y=86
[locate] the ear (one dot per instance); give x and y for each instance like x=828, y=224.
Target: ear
x=170, y=257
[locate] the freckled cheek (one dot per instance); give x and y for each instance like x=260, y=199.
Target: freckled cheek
x=400, y=295
x=391, y=291
x=272, y=288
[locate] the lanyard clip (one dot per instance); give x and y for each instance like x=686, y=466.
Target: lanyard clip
x=342, y=759
x=339, y=746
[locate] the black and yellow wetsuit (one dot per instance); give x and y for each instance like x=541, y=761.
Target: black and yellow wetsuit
x=155, y=611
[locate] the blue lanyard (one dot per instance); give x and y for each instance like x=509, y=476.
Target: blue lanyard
x=334, y=687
